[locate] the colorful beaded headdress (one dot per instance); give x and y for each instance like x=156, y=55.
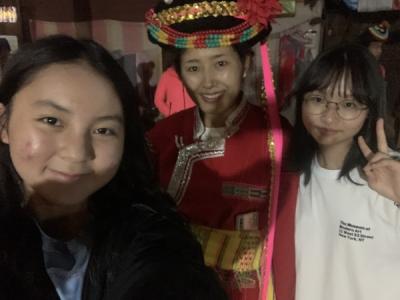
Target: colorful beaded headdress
x=210, y=24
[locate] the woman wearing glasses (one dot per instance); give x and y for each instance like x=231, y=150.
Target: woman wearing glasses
x=344, y=225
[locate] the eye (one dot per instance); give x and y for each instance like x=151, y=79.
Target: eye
x=105, y=131
x=192, y=68
x=222, y=63
x=349, y=104
x=317, y=99
x=52, y=121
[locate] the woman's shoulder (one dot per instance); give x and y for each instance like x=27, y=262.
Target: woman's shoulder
x=144, y=220
x=158, y=258
x=261, y=114
x=22, y=271
x=176, y=118
x=143, y=233
x=172, y=124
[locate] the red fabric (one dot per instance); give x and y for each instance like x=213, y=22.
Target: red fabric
x=245, y=162
x=291, y=52
x=283, y=262
x=171, y=96
x=260, y=11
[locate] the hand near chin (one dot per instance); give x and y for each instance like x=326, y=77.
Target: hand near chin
x=382, y=171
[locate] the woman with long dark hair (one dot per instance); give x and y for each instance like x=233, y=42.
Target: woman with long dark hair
x=217, y=160
x=339, y=238
x=80, y=214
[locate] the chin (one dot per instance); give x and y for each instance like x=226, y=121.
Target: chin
x=63, y=197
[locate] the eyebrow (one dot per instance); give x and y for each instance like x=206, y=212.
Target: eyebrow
x=218, y=55
x=212, y=57
x=116, y=118
x=51, y=103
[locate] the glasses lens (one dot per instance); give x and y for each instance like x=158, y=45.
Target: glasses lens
x=315, y=104
x=349, y=109
x=346, y=109
x=345, y=115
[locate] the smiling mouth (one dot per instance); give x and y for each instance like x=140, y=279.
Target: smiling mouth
x=328, y=131
x=66, y=177
x=211, y=97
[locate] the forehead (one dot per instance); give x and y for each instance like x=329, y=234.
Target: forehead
x=62, y=70
x=75, y=86
x=208, y=53
x=342, y=86
x=335, y=83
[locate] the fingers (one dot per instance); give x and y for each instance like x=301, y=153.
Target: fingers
x=374, y=170
x=368, y=154
x=386, y=163
x=366, y=151
x=382, y=145
x=381, y=136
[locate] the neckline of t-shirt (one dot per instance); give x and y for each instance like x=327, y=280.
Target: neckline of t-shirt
x=334, y=174
x=323, y=172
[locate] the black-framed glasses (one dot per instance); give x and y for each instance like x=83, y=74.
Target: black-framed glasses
x=348, y=109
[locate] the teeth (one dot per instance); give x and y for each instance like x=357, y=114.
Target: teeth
x=213, y=96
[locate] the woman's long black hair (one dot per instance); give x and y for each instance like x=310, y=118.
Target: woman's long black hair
x=134, y=181
x=135, y=227
x=367, y=85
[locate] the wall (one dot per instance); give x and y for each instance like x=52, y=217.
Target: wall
x=13, y=29
x=304, y=14
x=80, y=10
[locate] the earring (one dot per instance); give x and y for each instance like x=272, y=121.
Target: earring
x=168, y=1
x=244, y=75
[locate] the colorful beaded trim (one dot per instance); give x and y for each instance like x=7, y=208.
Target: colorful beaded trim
x=204, y=39
x=158, y=26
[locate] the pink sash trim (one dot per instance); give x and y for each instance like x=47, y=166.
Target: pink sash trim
x=277, y=137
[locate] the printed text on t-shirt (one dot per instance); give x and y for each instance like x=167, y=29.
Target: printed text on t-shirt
x=354, y=232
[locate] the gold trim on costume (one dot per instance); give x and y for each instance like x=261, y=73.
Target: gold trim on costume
x=244, y=191
x=271, y=151
x=232, y=250
x=199, y=10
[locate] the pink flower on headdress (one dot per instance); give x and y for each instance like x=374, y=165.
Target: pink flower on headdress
x=259, y=11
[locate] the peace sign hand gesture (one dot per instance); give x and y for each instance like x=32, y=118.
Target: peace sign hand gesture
x=382, y=171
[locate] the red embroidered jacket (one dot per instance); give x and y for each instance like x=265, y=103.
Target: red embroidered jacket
x=221, y=183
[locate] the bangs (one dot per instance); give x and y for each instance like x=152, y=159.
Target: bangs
x=347, y=72
x=337, y=79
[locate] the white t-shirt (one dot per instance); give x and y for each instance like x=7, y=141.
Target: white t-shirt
x=347, y=240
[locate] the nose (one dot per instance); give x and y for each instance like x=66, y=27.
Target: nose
x=330, y=113
x=208, y=78
x=77, y=147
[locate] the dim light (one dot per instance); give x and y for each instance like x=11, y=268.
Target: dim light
x=8, y=14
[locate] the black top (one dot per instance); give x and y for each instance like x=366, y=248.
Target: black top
x=142, y=255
